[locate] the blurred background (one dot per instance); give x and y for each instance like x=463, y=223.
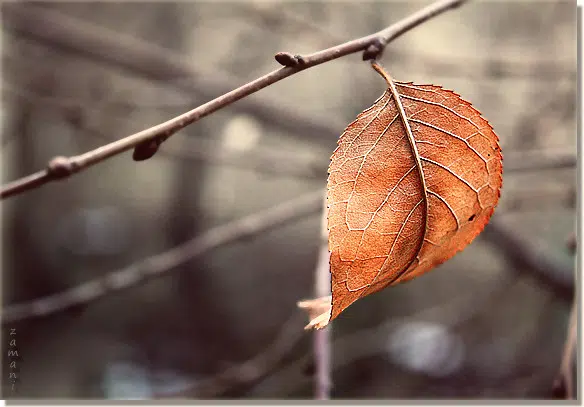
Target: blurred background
x=217, y=317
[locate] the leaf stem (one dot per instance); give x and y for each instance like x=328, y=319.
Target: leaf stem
x=379, y=69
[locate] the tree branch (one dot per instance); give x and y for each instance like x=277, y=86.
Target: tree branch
x=372, y=45
x=160, y=264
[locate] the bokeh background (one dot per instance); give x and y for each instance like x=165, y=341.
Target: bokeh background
x=223, y=323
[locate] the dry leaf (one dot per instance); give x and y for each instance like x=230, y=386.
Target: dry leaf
x=414, y=179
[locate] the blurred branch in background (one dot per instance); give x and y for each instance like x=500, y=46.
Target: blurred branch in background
x=538, y=199
x=528, y=260
x=251, y=370
x=371, y=45
x=524, y=259
x=352, y=346
x=162, y=263
x=373, y=341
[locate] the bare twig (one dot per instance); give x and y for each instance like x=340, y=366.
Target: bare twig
x=162, y=263
x=322, y=337
x=564, y=386
x=372, y=46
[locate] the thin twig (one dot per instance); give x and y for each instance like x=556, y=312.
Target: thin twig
x=322, y=337
x=372, y=45
x=368, y=342
x=160, y=264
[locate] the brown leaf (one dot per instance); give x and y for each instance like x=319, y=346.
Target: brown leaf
x=414, y=179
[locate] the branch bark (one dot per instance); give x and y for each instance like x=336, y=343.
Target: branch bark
x=371, y=45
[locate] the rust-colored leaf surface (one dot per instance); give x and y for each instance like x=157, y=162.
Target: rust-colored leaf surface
x=414, y=179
